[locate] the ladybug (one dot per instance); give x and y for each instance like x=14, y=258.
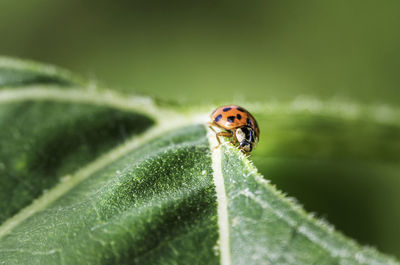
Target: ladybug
x=238, y=123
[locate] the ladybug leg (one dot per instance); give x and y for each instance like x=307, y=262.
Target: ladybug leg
x=210, y=125
x=218, y=134
x=224, y=134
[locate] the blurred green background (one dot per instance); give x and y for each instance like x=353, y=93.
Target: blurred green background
x=191, y=50
x=213, y=51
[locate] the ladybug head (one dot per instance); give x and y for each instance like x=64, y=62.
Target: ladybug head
x=246, y=138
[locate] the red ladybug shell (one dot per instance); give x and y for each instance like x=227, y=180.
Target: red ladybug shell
x=231, y=117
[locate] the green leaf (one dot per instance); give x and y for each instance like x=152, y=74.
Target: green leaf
x=259, y=215
x=340, y=160
x=25, y=73
x=92, y=177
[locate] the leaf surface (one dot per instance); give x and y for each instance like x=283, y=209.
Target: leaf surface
x=16, y=73
x=92, y=177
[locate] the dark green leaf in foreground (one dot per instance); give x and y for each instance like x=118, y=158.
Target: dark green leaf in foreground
x=154, y=205
x=259, y=215
x=89, y=179
x=43, y=141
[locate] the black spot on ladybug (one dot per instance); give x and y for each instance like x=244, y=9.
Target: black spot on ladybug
x=218, y=118
x=231, y=119
x=226, y=109
x=238, y=116
x=240, y=109
x=249, y=122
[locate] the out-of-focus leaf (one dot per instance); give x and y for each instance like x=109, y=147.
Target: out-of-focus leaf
x=25, y=73
x=94, y=178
